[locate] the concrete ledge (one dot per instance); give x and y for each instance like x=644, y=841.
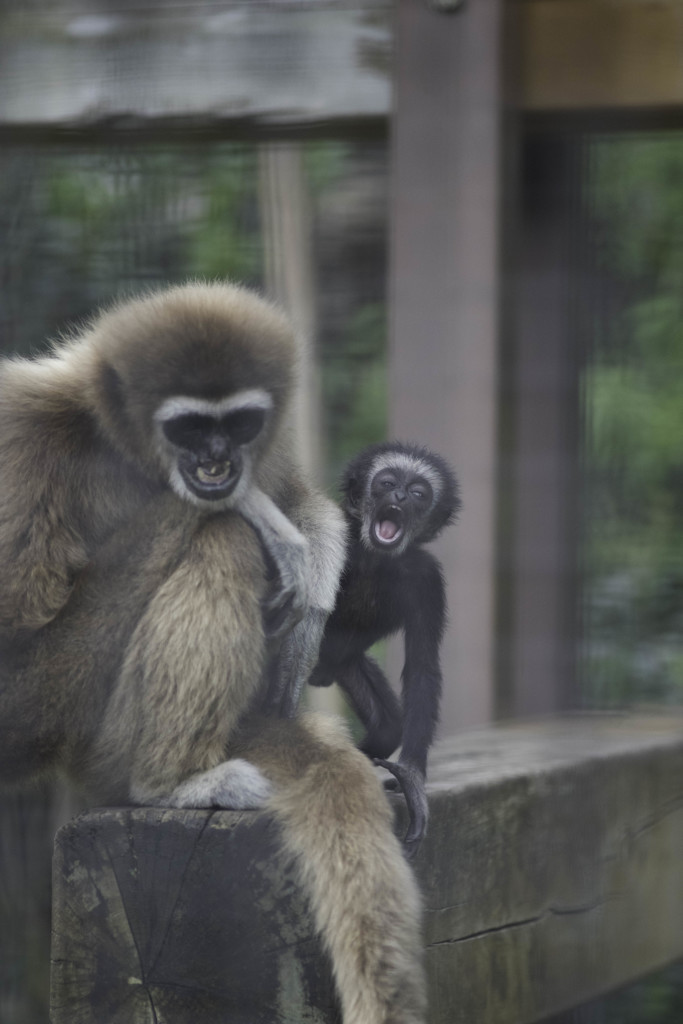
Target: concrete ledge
x=553, y=872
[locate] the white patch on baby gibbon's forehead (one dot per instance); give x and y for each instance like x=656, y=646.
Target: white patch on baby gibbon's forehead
x=250, y=398
x=408, y=464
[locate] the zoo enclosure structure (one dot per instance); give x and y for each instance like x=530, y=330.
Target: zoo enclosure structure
x=485, y=108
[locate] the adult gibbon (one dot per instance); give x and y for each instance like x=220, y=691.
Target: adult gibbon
x=396, y=497
x=157, y=544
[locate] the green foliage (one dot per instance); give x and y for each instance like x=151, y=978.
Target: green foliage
x=324, y=163
x=639, y=204
x=355, y=387
x=228, y=245
x=348, y=188
x=634, y=402
x=84, y=225
x=656, y=1000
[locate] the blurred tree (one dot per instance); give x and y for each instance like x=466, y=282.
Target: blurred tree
x=83, y=226
x=349, y=188
x=633, y=390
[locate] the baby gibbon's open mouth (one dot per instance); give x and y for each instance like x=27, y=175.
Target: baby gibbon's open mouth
x=387, y=528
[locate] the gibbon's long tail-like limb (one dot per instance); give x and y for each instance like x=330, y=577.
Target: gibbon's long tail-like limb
x=337, y=825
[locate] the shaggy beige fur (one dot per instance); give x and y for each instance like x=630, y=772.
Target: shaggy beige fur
x=133, y=652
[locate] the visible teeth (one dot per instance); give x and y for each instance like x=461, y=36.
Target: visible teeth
x=213, y=472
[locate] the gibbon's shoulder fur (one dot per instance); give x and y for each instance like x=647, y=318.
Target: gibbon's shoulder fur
x=134, y=652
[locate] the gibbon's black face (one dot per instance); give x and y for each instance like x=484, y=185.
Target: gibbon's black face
x=397, y=495
x=400, y=502
x=209, y=445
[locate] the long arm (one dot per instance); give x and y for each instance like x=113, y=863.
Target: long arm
x=425, y=618
x=323, y=525
x=287, y=557
x=373, y=701
x=307, y=548
x=424, y=625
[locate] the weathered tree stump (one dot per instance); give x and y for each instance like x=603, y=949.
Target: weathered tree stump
x=182, y=917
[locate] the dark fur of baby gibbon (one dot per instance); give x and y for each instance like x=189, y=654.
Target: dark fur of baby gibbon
x=397, y=497
x=148, y=497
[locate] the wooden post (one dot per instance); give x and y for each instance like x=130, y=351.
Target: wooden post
x=286, y=218
x=445, y=295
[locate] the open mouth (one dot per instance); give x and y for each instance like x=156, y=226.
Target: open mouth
x=211, y=480
x=387, y=528
x=215, y=474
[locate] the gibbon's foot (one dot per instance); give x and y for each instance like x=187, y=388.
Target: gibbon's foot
x=412, y=783
x=234, y=785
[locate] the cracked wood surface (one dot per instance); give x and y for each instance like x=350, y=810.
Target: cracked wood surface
x=554, y=866
x=552, y=872
x=181, y=917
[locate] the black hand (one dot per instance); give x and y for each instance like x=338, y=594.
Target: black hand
x=282, y=606
x=281, y=612
x=296, y=660
x=412, y=783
